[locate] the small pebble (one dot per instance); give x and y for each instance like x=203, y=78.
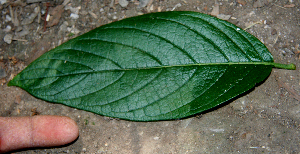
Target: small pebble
x=223, y=16
x=73, y=30
x=7, y=29
x=3, y=1
x=63, y=28
x=8, y=38
x=74, y=16
x=74, y=10
x=123, y=3
x=7, y=18
x=143, y=3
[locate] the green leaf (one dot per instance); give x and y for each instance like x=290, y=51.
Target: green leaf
x=157, y=66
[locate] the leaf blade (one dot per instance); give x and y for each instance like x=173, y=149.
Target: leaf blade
x=181, y=63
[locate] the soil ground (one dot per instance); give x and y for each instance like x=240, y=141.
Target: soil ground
x=264, y=120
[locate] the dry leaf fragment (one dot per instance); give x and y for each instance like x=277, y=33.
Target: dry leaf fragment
x=93, y=14
x=55, y=15
x=289, y=5
x=2, y=81
x=215, y=10
x=242, y=2
x=34, y=112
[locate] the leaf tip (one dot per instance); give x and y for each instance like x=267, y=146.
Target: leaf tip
x=10, y=83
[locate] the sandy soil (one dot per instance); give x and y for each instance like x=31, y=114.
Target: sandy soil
x=265, y=119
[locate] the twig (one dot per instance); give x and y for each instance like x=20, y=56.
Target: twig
x=22, y=40
x=276, y=39
x=46, y=14
x=279, y=6
x=258, y=22
x=286, y=87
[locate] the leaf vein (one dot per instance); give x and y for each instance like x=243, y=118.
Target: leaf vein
x=99, y=89
x=144, y=52
x=67, y=87
x=158, y=36
x=133, y=91
x=96, y=55
x=245, y=54
x=143, y=107
x=66, y=61
x=207, y=103
x=203, y=36
x=44, y=85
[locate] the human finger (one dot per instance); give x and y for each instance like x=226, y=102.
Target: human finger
x=37, y=131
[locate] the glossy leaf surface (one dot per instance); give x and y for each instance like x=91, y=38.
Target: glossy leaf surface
x=157, y=66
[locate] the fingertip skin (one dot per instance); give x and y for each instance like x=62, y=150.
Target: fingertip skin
x=38, y=131
x=53, y=131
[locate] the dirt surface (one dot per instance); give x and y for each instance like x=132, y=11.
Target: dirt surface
x=264, y=120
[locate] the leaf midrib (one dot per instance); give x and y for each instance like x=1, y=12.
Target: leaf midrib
x=161, y=67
